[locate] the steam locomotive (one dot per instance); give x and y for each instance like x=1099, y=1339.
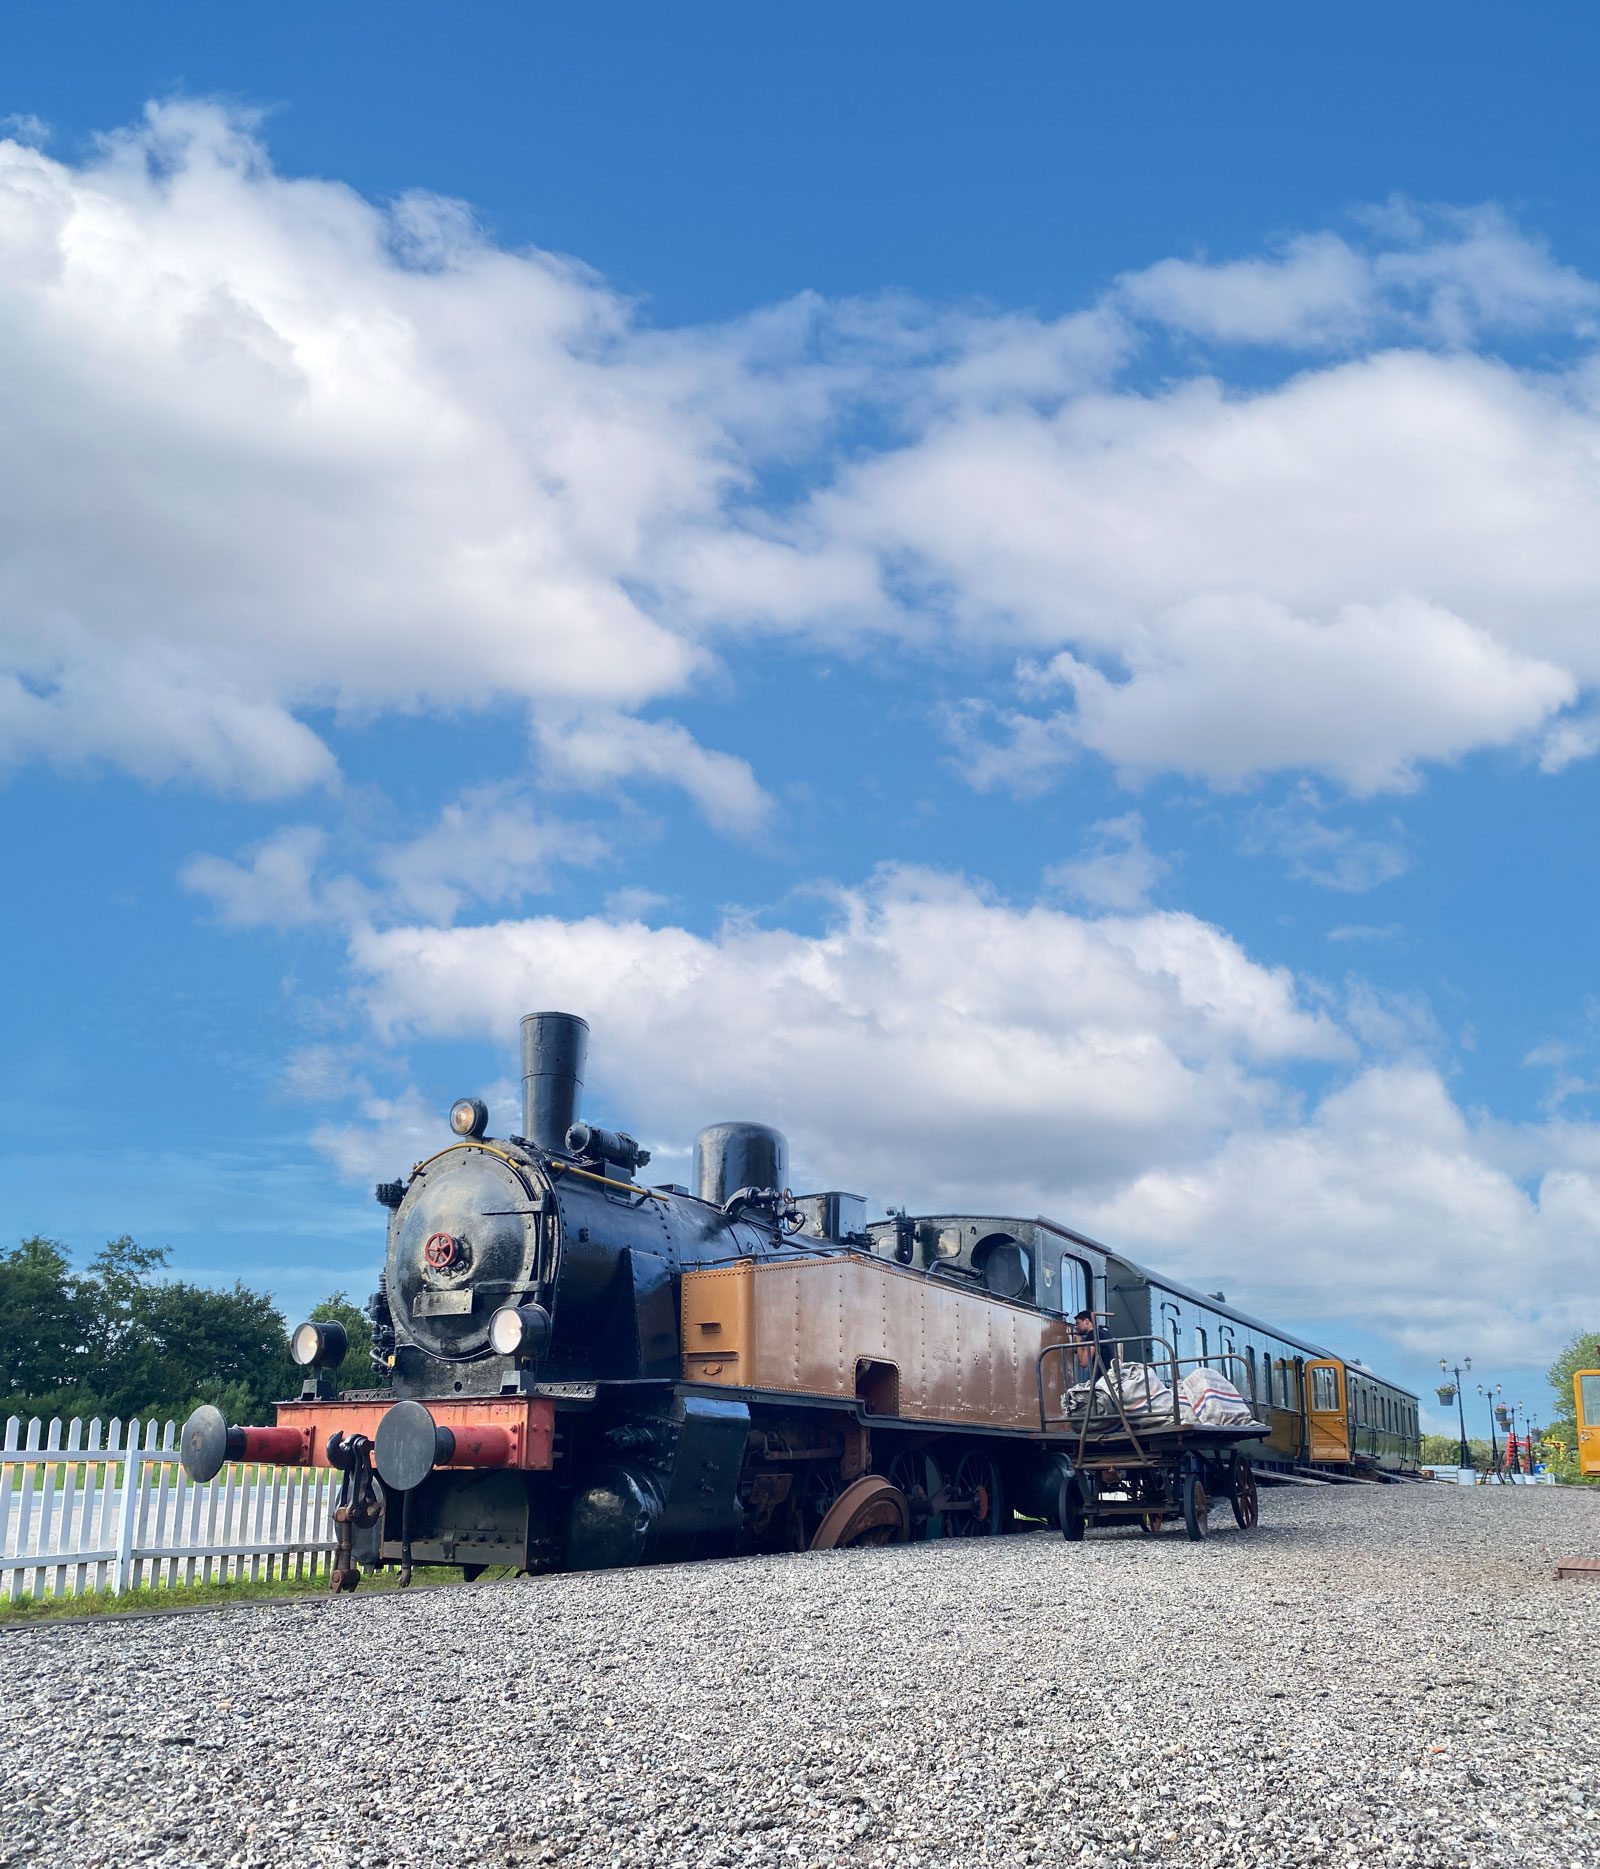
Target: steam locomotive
x=580, y=1370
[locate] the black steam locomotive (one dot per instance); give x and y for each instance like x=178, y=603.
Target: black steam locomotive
x=580, y=1370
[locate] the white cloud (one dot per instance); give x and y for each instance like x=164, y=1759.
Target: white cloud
x=278, y=886
x=489, y=847
x=1570, y=740
x=321, y=1074
x=1451, y=275
x=1318, y=850
x=27, y=128
x=1116, y=869
x=353, y=458
x=1317, y=290
x=1229, y=688
x=160, y=720
x=932, y=1035
x=601, y=750
x=386, y=1135
x=339, y=454
x=1387, y=1207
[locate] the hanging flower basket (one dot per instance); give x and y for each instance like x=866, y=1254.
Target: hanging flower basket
x=1503, y=1416
x=1446, y=1392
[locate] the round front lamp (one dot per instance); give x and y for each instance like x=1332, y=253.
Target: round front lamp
x=469, y=1116
x=319, y=1345
x=519, y=1331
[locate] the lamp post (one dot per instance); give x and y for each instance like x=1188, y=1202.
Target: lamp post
x=1489, y=1395
x=1451, y=1391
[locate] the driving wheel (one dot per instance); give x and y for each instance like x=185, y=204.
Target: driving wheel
x=973, y=1490
x=868, y=1512
x=916, y=1474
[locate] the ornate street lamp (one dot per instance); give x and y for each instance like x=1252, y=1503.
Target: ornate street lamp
x=1496, y=1412
x=1450, y=1391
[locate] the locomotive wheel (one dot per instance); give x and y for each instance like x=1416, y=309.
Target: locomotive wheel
x=1150, y=1524
x=1242, y=1492
x=868, y=1512
x=1196, y=1505
x=913, y=1472
x=818, y=1489
x=975, y=1482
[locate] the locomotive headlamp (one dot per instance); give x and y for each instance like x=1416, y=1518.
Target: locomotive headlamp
x=469, y=1116
x=319, y=1345
x=521, y=1331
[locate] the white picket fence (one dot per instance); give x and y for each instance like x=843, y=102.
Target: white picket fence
x=106, y=1506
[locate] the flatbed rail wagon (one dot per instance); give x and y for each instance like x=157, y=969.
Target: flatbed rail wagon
x=1137, y=1453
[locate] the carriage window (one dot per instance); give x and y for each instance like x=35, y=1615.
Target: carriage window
x=1589, y=1396
x=1250, y=1364
x=1200, y=1343
x=1324, y=1390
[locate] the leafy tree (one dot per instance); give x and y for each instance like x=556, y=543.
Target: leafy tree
x=1583, y=1352
x=121, y=1339
x=188, y=1334
x=1444, y=1450
x=45, y=1328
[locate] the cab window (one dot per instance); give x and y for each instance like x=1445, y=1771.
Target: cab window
x=1589, y=1390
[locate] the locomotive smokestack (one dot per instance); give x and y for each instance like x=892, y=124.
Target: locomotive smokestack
x=555, y=1046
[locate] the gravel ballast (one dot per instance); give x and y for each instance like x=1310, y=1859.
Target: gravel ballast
x=1376, y=1676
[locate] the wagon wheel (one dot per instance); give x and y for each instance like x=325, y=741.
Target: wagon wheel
x=1242, y=1492
x=912, y=1473
x=976, y=1508
x=1148, y=1492
x=1196, y=1505
x=1069, y=1508
x=868, y=1512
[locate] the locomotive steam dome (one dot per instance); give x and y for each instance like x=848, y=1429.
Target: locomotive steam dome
x=465, y=1241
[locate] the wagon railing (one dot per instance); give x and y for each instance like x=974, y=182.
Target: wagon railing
x=1097, y=1403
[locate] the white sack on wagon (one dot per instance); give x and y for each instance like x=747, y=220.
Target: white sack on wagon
x=1141, y=1389
x=1215, y=1401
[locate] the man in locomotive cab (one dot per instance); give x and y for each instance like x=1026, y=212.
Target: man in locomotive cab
x=1092, y=1349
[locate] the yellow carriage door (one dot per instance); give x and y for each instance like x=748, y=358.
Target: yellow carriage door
x=1586, y=1394
x=1326, y=1413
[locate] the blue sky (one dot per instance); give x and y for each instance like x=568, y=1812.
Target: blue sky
x=1017, y=600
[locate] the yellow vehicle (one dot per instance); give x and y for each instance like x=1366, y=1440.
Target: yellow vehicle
x=1586, y=1399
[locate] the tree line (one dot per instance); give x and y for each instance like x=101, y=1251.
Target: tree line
x=121, y=1338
